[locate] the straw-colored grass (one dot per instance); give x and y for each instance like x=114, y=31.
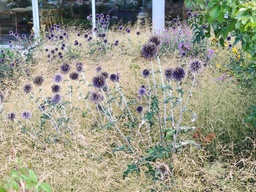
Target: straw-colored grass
x=85, y=161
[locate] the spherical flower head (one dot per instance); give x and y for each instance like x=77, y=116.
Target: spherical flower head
x=99, y=81
x=228, y=38
x=137, y=33
x=178, y=73
x=74, y=75
x=57, y=78
x=79, y=67
x=96, y=97
x=55, y=88
x=98, y=69
x=27, y=88
x=145, y=73
x=142, y=91
x=114, y=77
x=38, y=80
x=56, y=98
x=26, y=115
x=128, y=30
x=195, y=66
x=65, y=68
x=120, y=28
x=156, y=40
x=11, y=116
x=1, y=97
x=139, y=109
x=168, y=74
x=149, y=50
x=105, y=74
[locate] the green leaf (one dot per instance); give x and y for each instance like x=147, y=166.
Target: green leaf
x=130, y=168
x=2, y=189
x=46, y=187
x=32, y=176
x=214, y=12
x=15, y=185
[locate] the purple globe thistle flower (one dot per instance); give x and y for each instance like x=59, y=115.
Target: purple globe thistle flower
x=156, y=40
x=174, y=20
x=105, y=74
x=56, y=98
x=79, y=67
x=55, y=88
x=86, y=36
x=99, y=81
x=137, y=33
x=61, y=37
x=78, y=34
x=139, y=109
x=12, y=64
x=229, y=46
x=195, y=66
x=114, y=77
x=143, y=86
x=107, y=17
x=57, y=78
x=178, y=73
x=23, y=36
x=120, y=28
x=65, y=68
x=116, y=43
x=56, y=49
x=52, y=51
x=11, y=116
x=26, y=115
x=46, y=50
x=38, y=80
x=228, y=38
x=145, y=73
x=59, y=53
x=16, y=34
x=128, y=30
x=64, y=34
x=98, y=69
x=168, y=74
x=74, y=75
x=99, y=35
x=183, y=53
x=105, y=40
x=27, y=88
x=142, y=91
x=1, y=97
x=149, y=50
x=10, y=32
x=96, y=97
x=63, y=45
x=103, y=35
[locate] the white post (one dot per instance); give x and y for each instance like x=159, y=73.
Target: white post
x=158, y=10
x=93, y=15
x=35, y=11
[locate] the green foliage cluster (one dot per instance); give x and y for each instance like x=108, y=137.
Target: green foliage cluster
x=22, y=178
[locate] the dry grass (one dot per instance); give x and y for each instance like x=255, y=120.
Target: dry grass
x=85, y=161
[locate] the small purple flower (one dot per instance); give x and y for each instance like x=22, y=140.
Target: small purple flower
x=137, y=33
x=74, y=75
x=99, y=81
x=96, y=97
x=57, y=78
x=195, y=66
x=149, y=50
x=105, y=40
x=114, y=77
x=55, y=88
x=79, y=67
x=98, y=69
x=38, y=80
x=65, y=68
x=145, y=73
x=120, y=28
x=86, y=36
x=155, y=39
x=27, y=88
x=178, y=73
x=139, y=109
x=11, y=116
x=26, y=114
x=168, y=74
x=142, y=91
x=56, y=98
x=128, y=30
x=105, y=74
x=41, y=107
x=228, y=38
